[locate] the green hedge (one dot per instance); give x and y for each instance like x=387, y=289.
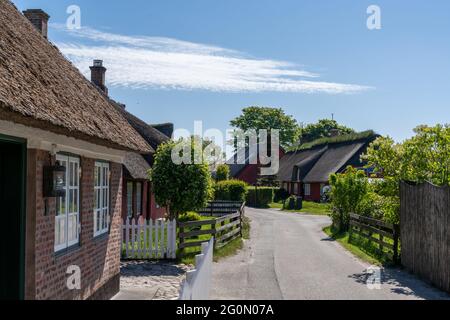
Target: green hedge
x=230, y=190
x=260, y=198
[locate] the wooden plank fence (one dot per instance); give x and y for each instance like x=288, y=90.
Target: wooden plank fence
x=425, y=232
x=368, y=228
x=220, y=208
x=149, y=239
x=197, y=284
x=224, y=229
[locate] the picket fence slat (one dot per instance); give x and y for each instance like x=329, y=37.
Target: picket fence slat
x=148, y=239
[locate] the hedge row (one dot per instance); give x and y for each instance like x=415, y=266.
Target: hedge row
x=230, y=190
x=260, y=197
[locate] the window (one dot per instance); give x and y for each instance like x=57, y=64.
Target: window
x=101, y=198
x=307, y=189
x=67, y=219
x=138, y=198
x=130, y=199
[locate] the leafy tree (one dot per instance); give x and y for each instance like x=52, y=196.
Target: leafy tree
x=322, y=129
x=223, y=172
x=258, y=118
x=180, y=187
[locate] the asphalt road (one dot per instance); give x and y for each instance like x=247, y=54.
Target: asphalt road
x=289, y=257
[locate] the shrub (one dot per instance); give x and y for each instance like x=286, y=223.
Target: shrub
x=230, y=190
x=223, y=172
x=290, y=203
x=189, y=216
x=347, y=192
x=260, y=197
x=280, y=195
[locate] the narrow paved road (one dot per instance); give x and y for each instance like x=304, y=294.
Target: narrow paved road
x=289, y=257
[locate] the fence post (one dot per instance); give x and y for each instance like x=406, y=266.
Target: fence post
x=396, y=242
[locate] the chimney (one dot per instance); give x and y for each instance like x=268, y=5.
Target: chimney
x=39, y=19
x=98, y=75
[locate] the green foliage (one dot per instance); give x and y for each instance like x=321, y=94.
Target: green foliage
x=258, y=118
x=189, y=216
x=348, y=190
x=231, y=190
x=339, y=139
x=323, y=129
x=260, y=197
x=180, y=187
x=424, y=157
x=280, y=194
x=290, y=203
x=223, y=172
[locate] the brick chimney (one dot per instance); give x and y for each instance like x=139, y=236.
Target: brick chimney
x=39, y=19
x=98, y=75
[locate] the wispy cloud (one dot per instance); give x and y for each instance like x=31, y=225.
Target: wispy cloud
x=157, y=62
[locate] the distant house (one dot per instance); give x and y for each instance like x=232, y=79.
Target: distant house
x=138, y=200
x=62, y=145
x=306, y=171
x=245, y=164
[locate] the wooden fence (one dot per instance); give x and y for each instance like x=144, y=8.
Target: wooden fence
x=385, y=235
x=221, y=208
x=197, y=284
x=151, y=239
x=425, y=232
x=224, y=229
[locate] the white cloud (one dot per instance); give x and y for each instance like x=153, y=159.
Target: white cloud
x=157, y=62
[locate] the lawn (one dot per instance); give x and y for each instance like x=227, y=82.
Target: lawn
x=360, y=247
x=309, y=207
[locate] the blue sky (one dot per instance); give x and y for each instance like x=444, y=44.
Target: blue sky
x=180, y=61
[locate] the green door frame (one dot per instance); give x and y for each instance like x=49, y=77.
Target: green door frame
x=23, y=144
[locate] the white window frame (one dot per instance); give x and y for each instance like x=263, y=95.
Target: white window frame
x=67, y=214
x=307, y=189
x=101, y=225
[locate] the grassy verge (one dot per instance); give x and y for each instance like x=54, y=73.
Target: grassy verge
x=359, y=246
x=230, y=249
x=309, y=207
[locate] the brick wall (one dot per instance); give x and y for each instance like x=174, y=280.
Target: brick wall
x=98, y=258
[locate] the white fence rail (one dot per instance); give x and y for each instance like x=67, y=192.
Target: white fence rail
x=149, y=239
x=198, y=282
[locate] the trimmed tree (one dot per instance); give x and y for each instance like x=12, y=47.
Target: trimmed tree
x=180, y=187
x=223, y=172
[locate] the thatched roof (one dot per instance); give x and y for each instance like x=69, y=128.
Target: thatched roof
x=136, y=166
x=40, y=88
x=153, y=136
x=316, y=163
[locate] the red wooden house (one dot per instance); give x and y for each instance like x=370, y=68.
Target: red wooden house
x=306, y=171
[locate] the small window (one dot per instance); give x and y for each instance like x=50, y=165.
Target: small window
x=130, y=199
x=138, y=198
x=67, y=208
x=307, y=189
x=101, y=198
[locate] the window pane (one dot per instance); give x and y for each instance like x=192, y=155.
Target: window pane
x=75, y=200
x=98, y=220
x=71, y=173
x=60, y=206
x=96, y=180
x=138, y=197
x=130, y=198
x=77, y=175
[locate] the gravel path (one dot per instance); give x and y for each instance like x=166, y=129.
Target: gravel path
x=289, y=257
x=147, y=280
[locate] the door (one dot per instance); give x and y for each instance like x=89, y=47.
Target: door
x=12, y=208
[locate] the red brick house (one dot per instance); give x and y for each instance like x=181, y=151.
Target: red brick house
x=249, y=170
x=62, y=148
x=305, y=172
x=138, y=200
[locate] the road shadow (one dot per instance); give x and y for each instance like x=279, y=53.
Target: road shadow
x=403, y=284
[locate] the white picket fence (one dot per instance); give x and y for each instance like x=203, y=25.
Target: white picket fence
x=197, y=284
x=149, y=239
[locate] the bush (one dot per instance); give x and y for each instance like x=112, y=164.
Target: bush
x=189, y=216
x=280, y=195
x=223, y=173
x=230, y=190
x=290, y=203
x=348, y=190
x=260, y=197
